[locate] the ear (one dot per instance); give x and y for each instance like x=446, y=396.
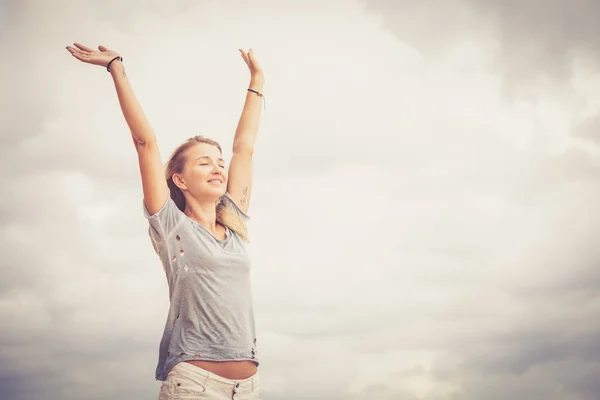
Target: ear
x=178, y=180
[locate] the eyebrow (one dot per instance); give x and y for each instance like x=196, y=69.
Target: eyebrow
x=218, y=159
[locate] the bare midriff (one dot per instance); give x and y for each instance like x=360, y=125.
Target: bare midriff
x=228, y=369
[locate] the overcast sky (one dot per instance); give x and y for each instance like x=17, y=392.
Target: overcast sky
x=424, y=211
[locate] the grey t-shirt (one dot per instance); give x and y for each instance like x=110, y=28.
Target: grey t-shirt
x=211, y=314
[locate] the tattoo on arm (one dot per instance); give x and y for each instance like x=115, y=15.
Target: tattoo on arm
x=244, y=195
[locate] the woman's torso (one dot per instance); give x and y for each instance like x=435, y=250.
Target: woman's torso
x=228, y=369
x=210, y=322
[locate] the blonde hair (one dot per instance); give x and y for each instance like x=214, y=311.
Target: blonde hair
x=225, y=213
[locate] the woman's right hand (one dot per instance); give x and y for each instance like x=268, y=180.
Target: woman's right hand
x=90, y=56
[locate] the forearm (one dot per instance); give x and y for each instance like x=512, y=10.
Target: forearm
x=138, y=124
x=245, y=134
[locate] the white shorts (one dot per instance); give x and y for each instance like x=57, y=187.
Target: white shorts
x=187, y=381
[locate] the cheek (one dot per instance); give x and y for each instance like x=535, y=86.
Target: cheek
x=194, y=177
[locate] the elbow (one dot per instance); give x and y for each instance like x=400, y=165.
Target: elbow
x=142, y=140
x=143, y=143
x=243, y=148
x=139, y=141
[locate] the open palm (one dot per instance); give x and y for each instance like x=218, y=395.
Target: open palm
x=91, y=56
x=252, y=62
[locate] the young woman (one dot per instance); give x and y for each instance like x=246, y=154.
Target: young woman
x=197, y=224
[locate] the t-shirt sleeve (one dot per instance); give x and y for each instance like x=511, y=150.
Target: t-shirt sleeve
x=165, y=220
x=228, y=200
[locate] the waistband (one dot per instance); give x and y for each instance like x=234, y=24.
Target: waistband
x=201, y=376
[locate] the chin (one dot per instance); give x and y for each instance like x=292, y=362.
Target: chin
x=217, y=191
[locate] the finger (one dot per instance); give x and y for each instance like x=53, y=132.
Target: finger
x=81, y=57
x=102, y=48
x=82, y=47
x=81, y=53
x=244, y=56
x=251, y=55
x=74, y=51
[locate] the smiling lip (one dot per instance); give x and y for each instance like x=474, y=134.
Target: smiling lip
x=215, y=180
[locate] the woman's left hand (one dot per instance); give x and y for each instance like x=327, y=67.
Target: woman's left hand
x=252, y=62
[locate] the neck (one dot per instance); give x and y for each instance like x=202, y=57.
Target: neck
x=204, y=213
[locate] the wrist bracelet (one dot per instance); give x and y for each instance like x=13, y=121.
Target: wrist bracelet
x=116, y=58
x=261, y=95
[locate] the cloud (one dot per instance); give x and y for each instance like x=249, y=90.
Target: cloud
x=530, y=43
x=415, y=234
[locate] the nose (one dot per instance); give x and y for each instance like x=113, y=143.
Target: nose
x=217, y=172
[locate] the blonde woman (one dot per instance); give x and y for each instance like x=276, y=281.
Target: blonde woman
x=197, y=214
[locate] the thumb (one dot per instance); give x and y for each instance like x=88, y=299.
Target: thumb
x=102, y=48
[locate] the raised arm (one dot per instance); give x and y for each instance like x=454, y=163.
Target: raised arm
x=154, y=184
x=239, y=185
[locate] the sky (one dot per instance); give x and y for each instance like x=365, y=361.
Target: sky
x=424, y=209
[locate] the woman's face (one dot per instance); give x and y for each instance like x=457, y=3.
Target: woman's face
x=204, y=172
